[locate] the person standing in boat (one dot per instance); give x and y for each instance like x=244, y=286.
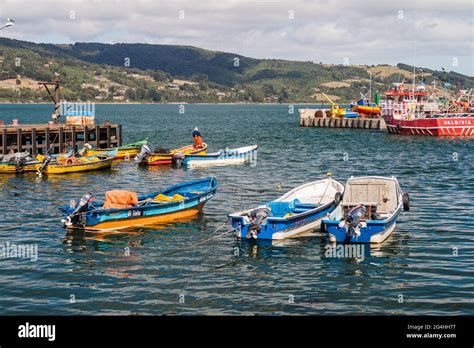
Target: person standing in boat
x=197, y=138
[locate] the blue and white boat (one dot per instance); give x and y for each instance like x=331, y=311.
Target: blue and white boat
x=368, y=212
x=298, y=211
x=241, y=155
x=122, y=209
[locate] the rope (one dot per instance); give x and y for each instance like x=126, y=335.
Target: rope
x=200, y=241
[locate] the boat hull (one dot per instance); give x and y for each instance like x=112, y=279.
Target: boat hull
x=367, y=110
x=231, y=157
x=167, y=158
x=143, y=221
x=375, y=232
x=12, y=168
x=277, y=230
x=77, y=168
x=453, y=126
x=121, y=153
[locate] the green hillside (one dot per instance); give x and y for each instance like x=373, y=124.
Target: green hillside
x=165, y=73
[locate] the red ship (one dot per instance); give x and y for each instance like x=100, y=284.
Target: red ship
x=413, y=111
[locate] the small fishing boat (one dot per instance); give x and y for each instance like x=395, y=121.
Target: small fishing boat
x=239, y=155
x=20, y=162
x=49, y=165
x=123, y=209
x=123, y=152
x=368, y=211
x=165, y=156
x=298, y=211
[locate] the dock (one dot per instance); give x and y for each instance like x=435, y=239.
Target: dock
x=38, y=138
x=324, y=119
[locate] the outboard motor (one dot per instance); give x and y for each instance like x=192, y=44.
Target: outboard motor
x=258, y=217
x=44, y=165
x=76, y=216
x=178, y=158
x=20, y=162
x=144, y=153
x=84, y=150
x=352, y=221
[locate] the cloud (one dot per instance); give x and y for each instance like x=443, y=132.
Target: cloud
x=430, y=32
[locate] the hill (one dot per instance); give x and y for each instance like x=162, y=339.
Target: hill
x=166, y=73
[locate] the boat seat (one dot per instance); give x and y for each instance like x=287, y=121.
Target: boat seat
x=164, y=198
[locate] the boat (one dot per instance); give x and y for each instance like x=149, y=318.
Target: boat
x=122, y=209
x=123, y=152
x=20, y=162
x=298, y=211
x=365, y=108
x=412, y=111
x=239, y=155
x=368, y=212
x=165, y=156
x=48, y=165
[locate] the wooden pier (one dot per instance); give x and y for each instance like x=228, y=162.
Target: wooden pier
x=321, y=118
x=38, y=138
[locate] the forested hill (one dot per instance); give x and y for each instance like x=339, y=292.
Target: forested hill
x=167, y=73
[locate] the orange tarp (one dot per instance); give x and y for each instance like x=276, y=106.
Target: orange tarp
x=120, y=199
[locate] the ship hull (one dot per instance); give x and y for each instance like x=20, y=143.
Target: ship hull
x=452, y=126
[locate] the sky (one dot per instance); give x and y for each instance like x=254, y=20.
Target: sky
x=431, y=34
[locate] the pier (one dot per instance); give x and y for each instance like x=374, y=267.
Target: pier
x=324, y=119
x=38, y=138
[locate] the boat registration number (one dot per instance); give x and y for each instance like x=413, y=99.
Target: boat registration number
x=135, y=212
x=205, y=198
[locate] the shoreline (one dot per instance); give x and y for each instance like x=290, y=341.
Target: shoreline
x=171, y=103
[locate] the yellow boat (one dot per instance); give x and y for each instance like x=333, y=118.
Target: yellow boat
x=73, y=164
x=167, y=157
x=125, y=151
x=20, y=162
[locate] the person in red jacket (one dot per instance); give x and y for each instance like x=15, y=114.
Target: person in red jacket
x=198, y=143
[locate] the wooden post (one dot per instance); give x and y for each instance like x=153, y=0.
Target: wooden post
x=18, y=139
x=4, y=141
x=86, y=134
x=73, y=142
x=120, y=135
x=61, y=138
x=33, y=141
x=48, y=140
x=97, y=137
x=108, y=136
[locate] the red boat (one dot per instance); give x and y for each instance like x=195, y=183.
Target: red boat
x=415, y=112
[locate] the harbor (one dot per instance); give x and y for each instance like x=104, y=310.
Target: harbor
x=75, y=262
x=319, y=118
x=39, y=138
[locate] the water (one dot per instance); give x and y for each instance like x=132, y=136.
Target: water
x=428, y=260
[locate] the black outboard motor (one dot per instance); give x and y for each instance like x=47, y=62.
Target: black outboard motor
x=352, y=220
x=76, y=217
x=20, y=162
x=258, y=217
x=178, y=158
x=44, y=165
x=144, y=153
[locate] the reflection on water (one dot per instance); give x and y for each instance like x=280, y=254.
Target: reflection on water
x=141, y=270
